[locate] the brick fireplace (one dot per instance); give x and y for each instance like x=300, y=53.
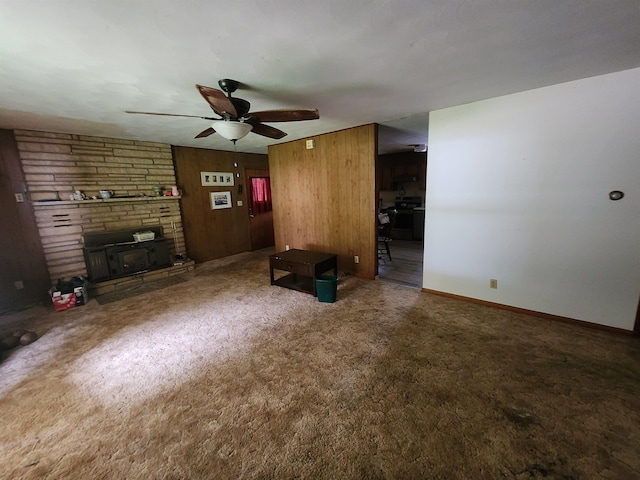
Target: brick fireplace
x=55, y=165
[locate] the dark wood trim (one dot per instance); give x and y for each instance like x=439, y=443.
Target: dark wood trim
x=533, y=313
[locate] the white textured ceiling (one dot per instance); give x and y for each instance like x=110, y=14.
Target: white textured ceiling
x=75, y=66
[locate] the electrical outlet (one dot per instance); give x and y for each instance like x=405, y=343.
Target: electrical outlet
x=240, y=203
x=356, y=259
x=311, y=144
x=286, y=247
x=19, y=285
x=19, y=198
x=493, y=283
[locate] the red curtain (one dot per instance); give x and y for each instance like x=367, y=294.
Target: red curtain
x=260, y=195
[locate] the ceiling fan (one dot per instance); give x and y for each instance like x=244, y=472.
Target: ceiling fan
x=236, y=120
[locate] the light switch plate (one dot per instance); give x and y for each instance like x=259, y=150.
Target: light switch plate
x=240, y=203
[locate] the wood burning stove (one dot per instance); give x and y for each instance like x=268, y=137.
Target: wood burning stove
x=111, y=255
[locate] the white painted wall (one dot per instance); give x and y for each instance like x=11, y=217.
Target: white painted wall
x=517, y=190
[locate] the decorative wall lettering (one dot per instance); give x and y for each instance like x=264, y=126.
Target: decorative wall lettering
x=216, y=179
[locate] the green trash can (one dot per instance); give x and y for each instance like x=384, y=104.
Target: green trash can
x=326, y=286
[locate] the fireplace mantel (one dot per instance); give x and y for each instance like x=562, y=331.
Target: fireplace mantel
x=50, y=203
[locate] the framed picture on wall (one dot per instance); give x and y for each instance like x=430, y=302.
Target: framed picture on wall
x=216, y=179
x=220, y=200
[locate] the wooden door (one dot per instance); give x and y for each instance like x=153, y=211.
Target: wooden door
x=259, y=207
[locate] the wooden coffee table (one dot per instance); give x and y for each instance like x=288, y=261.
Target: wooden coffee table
x=303, y=267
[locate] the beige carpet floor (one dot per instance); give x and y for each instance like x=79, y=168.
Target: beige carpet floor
x=224, y=376
x=122, y=294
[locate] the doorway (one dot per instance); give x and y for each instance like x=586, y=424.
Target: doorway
x=260, y=208
x=401, y=166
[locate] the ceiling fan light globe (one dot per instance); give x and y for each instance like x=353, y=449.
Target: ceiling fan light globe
x=231, y=130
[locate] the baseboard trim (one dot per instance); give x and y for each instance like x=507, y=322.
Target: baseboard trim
x=533, y=313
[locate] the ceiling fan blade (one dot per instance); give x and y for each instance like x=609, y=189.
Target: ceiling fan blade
x=218, y=101
x=265, y=130
x=205, y=133
x=171, y=115
x=286, y=115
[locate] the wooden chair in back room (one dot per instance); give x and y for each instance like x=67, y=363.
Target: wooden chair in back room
x=386, y=222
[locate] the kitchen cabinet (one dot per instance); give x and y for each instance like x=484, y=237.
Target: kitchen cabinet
x=386, y=174
x=397, y=169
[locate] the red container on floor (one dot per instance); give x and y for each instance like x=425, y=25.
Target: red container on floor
x=63, y=301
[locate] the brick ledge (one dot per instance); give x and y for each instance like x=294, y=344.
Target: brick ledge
x=100, y=288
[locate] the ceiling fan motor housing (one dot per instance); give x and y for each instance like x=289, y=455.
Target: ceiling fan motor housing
x=242, y=106
x=228, y=86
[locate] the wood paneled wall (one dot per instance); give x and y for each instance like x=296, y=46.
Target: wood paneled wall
x=324, y=198
x=21, y=256
x=211, y=234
